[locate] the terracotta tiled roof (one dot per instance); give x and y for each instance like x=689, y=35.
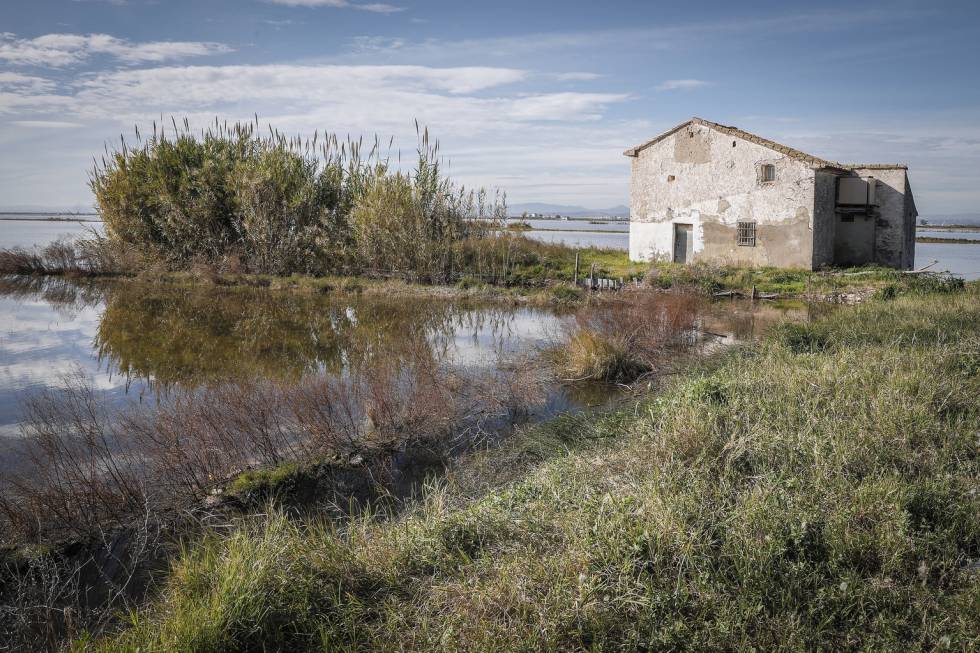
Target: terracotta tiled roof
x=765, y=142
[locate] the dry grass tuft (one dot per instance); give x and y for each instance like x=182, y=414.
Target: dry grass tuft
x=621, y=339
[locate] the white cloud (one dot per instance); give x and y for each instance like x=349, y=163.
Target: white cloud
x=59, y=50
x=23, y=92
x=514, y=138
x=285, y=84
x=462, y=103
x=681, y=84
x=371, y=44
x=564, y=106
x=375, y=7
x=24, y=83
x=577, y=77
x=47, y=124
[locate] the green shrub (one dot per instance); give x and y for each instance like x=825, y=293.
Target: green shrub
x=565, y=294
x=921, y=284
x=264, y=483
x=283, y=206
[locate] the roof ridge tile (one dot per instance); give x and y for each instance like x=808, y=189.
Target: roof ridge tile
x=765, y=142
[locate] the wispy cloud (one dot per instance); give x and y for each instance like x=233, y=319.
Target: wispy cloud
x=561, y=135
x=577, y=77
x=60, y=50
x=47, y=124
x=681, y=84
x=374, y=97
x=372, y=44
x=25, y=92
x=24, y=83
x=375, y=7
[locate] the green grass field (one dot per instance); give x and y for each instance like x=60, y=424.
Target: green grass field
x=816, y=491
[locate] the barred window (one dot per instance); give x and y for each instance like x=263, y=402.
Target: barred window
x=768, y=173
x=746, y=234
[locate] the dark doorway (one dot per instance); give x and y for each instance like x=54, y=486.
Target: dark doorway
x=854, y=239
x=683, y=243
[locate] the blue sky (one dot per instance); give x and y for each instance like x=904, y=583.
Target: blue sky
x=536, y=98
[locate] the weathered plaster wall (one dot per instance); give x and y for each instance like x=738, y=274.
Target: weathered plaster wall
x=911, y=214
x=716, y=184
x=824, y=205
x=891, y=225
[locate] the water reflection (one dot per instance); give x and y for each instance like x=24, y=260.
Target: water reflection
x=728, y=322
x=128, y=337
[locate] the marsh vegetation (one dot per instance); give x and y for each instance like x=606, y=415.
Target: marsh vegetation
x=329, y=404
x=759, y=500
x=327, y=468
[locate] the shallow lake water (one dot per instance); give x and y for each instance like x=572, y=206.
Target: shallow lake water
x=134, y=342
x=960, y=259
x=37, y=232
x=959, y=234
x=577, y=225
x=583, y=239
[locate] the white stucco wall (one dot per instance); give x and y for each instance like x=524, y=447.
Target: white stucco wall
x=715, y=186
x=648, y=240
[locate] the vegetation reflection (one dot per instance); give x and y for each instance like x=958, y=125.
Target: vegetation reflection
x=190, y=336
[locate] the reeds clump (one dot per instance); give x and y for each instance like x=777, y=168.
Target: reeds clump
x=589, y=355
x=284, y=205
x=622, y=339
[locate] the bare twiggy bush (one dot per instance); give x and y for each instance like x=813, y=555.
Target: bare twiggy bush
x=48, y=595
x=89, y=468
x=79, y=478
x=91, y=256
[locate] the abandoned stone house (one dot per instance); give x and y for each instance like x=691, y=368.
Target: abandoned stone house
x=706, y=192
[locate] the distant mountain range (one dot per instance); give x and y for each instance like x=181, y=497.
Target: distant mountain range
x=569, y=210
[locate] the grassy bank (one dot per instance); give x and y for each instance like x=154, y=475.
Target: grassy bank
x=536, y=272
x=815, y=491
x=792, y=282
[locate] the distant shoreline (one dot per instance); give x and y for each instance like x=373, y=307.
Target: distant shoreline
x=948, y=227
x=50, y=217
x=947, y=241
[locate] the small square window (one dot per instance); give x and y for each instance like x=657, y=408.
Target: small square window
x=746, y=234
x=767, y=173
x=671, y=177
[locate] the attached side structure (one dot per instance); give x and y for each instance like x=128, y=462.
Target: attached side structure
x=706, y=192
